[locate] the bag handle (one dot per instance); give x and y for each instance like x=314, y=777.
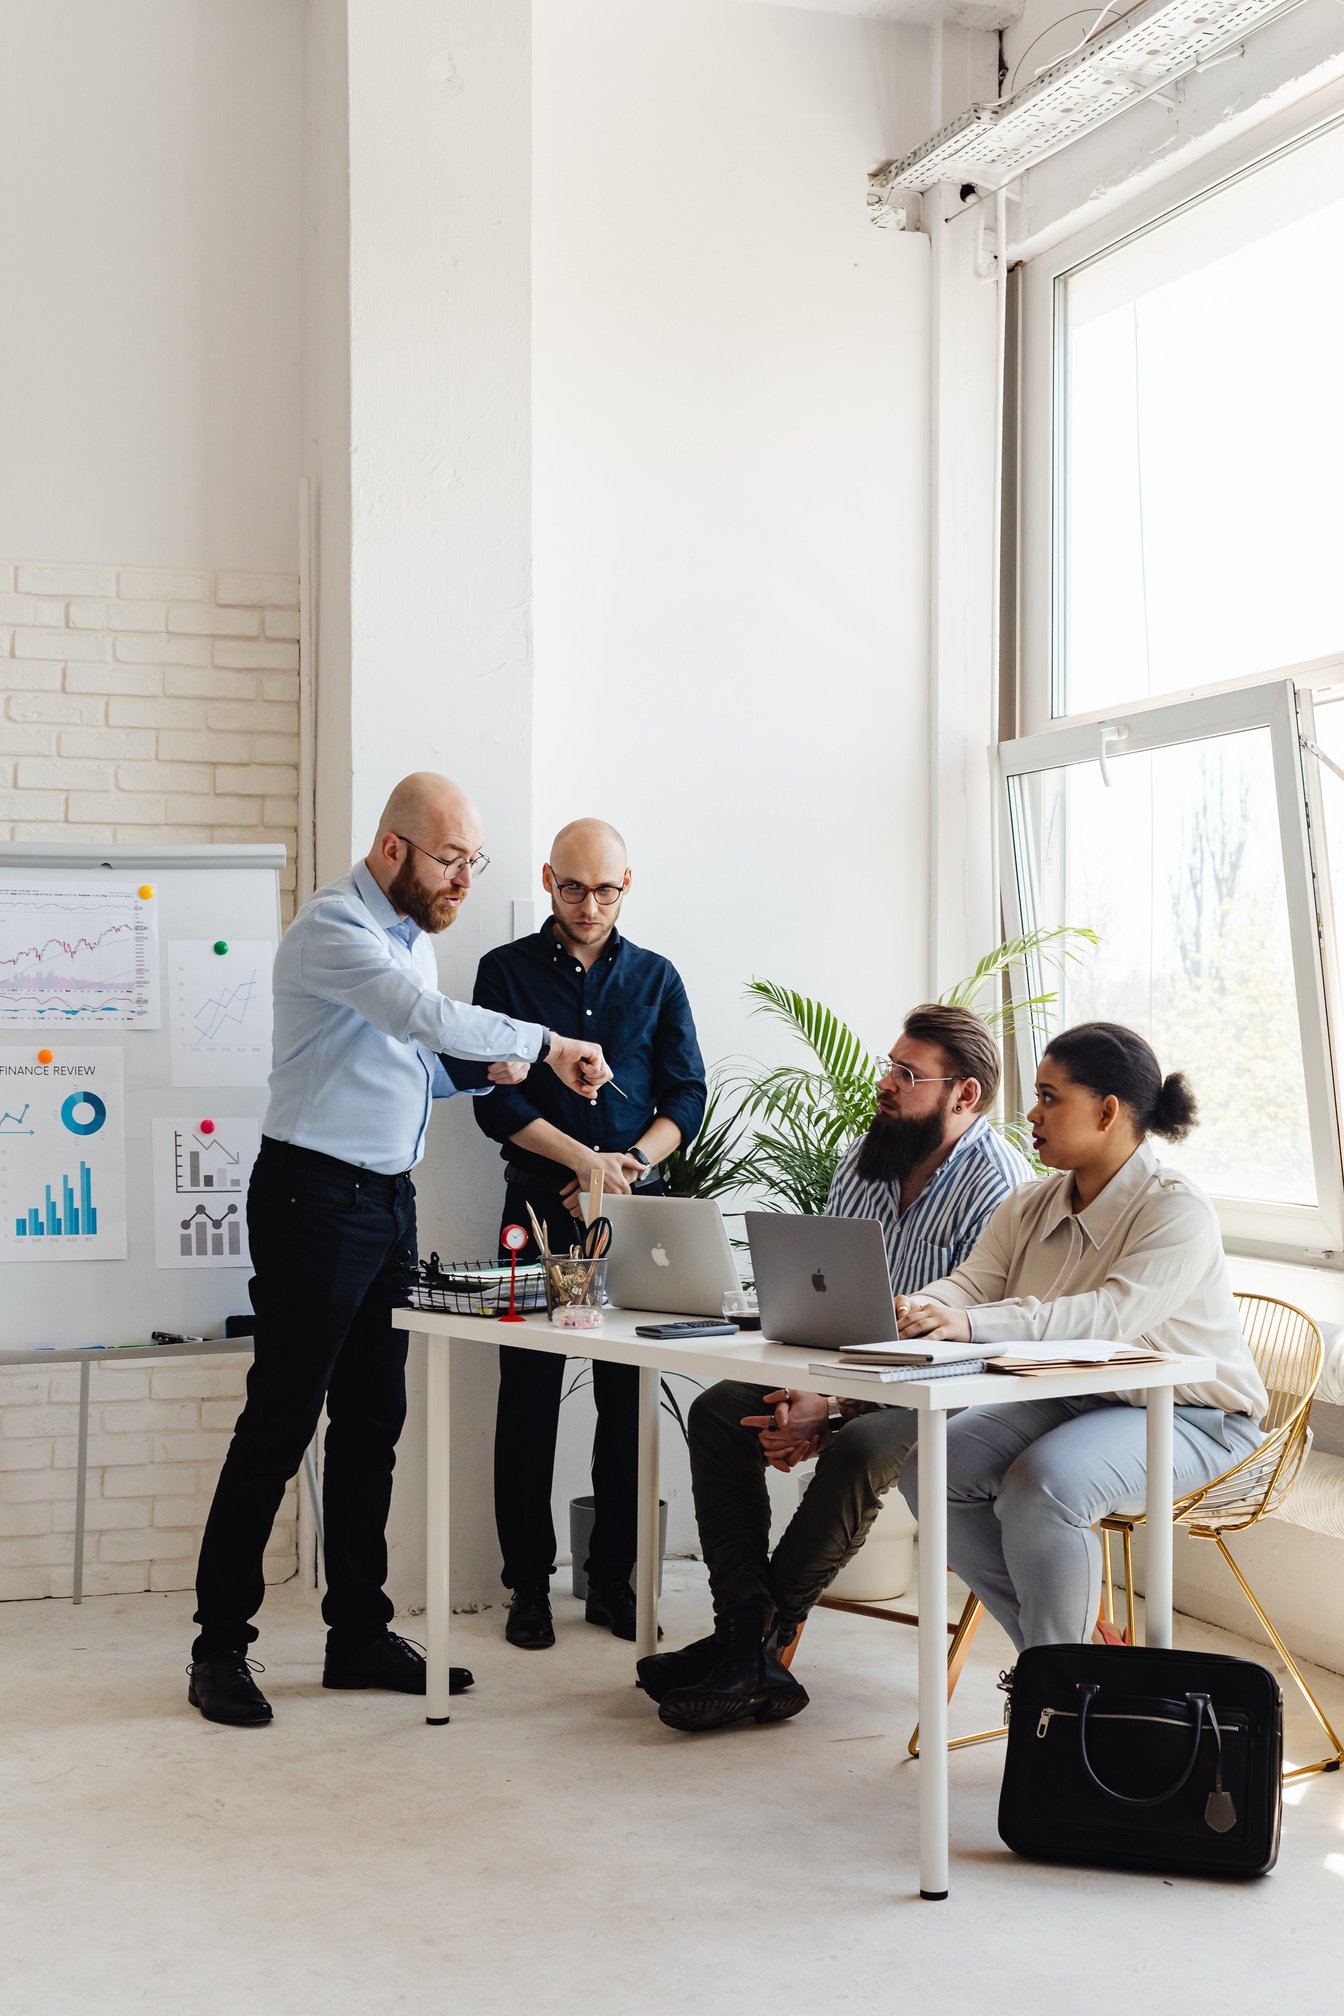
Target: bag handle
x=1199, y=1702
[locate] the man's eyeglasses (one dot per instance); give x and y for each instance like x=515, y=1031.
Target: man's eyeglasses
x=900, y=1074
x=605, y=894
x=477, y=862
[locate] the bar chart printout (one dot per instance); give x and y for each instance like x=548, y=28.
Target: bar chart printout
x=205, y=1236
x=70, y=1221
x=201, y=1172
x=62, y=1155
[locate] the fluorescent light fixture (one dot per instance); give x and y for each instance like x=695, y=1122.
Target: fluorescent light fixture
x=1153, y=45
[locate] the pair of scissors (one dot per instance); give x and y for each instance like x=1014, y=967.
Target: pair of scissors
x=596, y=1239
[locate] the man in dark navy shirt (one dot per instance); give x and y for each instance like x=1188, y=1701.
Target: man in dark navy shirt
x=578, y=975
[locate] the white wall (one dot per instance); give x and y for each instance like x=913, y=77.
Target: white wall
x=149, y=345
x=730, y=421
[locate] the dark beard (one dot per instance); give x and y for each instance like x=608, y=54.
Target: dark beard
x=405, y=894
x=893, y=1147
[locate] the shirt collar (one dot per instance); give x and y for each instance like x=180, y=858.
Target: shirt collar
x=378, y=907
x=1102, y=1215
x=555, y=951
x=977, y=1127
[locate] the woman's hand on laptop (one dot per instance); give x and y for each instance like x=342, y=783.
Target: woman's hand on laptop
x=921, y=1316
x=794, y=1431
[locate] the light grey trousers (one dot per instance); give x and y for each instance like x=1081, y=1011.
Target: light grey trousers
x=1027, y=1483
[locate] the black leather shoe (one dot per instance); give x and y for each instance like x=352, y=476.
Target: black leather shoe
x=746, y=1682
x=613, y=1604
x=385, y=1661
x=222, y=1687
x=659, y=1672
x=529, y=1626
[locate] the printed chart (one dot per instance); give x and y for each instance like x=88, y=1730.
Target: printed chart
x=201, y=1172
x=78, y=953
x=62, y=1157
x=219, y=1011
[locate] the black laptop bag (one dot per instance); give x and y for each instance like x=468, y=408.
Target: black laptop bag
x=1144, y=1758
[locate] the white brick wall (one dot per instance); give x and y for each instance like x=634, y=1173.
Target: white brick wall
x=157, y=1436
x=145, y=705
x=148, y=704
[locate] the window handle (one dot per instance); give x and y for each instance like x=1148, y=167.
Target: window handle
x=1111, y=736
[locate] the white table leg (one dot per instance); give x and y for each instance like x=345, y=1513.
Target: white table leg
x=646, y=1531
x=932, y=1653
x=1157, y=1598
x=436, y=1533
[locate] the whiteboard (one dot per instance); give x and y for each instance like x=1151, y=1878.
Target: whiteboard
x=200, y=893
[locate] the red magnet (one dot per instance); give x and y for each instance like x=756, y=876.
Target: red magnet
x=207, y=1126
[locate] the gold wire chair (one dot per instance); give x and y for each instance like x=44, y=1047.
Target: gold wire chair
x=1289, y=1352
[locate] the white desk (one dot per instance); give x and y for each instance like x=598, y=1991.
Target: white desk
x=759, y=1363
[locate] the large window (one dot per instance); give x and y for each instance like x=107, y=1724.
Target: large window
x=1181, y=533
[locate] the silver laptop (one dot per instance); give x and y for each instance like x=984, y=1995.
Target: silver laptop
x=669, y=1254
x=822, y=1282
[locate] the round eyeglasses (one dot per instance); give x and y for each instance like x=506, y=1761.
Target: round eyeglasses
x=477, y=863
x=604, y=895
x=902, y=1075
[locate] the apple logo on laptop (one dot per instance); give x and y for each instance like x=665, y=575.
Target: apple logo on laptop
x=658, y=1255
x=819, y=1282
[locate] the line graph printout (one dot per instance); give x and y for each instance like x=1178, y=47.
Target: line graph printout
x=78, y=953
x=219, y=1011
x=62, y=1156
x=201, y=1173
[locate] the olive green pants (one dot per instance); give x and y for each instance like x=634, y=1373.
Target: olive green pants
x=857, y=1465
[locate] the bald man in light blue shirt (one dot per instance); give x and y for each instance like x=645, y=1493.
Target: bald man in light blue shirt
x=363, y=1041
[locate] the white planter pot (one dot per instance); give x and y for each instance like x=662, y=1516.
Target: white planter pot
x=884, y=1566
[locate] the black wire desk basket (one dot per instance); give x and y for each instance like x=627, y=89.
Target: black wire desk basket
x=477, y=1287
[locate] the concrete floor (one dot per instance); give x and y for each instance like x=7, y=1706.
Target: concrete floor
x=556, y=1849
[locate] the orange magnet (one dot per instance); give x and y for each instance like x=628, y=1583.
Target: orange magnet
x=146, y=890
x=45, y=1056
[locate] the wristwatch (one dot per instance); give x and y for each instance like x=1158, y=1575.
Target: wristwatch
x=545, y=1049
x=639, y=1156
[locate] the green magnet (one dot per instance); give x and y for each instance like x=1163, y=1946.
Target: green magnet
x=221, y=946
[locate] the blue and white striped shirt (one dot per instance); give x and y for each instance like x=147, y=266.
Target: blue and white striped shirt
x=942, y=1225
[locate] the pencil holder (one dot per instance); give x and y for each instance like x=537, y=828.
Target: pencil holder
x=576, y=1293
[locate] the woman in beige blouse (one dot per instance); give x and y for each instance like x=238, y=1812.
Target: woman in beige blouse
x=1114, y=1246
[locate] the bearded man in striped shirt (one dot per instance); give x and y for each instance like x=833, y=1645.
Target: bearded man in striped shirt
x=931, y=1170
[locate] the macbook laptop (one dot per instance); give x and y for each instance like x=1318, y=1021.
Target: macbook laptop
x=669, y=1254
x=822, y=1282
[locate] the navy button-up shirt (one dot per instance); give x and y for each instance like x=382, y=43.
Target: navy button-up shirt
x=630, y=1001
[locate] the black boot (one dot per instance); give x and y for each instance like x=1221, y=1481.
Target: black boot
x=529, y=1624
x=223, y=1689
x=660, y=1672
x=612, y=1604
x=745, y=1681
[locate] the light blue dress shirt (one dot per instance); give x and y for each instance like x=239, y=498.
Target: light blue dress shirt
x=359, y=1023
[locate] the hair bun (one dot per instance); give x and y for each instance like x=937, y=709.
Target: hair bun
x=1176, y=1110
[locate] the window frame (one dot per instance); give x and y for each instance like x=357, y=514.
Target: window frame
x=1038, y=531
x=1272, y=705
x=1279, y=697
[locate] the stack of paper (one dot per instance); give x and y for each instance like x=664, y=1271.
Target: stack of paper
x=926, y=1358
x=1074, y=1354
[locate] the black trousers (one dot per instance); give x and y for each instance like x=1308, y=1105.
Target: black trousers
x=530, y=1385
x=334, y=1251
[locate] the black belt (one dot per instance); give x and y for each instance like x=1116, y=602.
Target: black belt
x=317, y=1164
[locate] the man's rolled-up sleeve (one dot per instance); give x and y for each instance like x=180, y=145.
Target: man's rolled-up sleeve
x=351, y=965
